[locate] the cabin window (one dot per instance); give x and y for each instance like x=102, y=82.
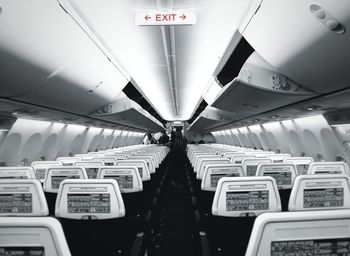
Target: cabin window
x=339, y=159
x=24, y=162
x=320, y=158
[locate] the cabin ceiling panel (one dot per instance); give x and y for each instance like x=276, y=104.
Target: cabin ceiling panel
x=198, y=48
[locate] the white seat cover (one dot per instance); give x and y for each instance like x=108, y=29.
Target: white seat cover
x=19, y=172
x=92, y=198
x=40, y=168
x=128, y=177
x=283, y=173
x=32, y=236
x=328, y=168
x=241, y=196
x=91, y=167
x=22, y=197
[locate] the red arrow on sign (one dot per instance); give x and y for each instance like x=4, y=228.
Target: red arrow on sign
x=147, y=17
x=183, y=16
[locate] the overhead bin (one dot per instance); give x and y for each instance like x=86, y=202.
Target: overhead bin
x=125, y=111
x=259, y=88
x=53, y=63
x=306, y=40
x=209, y=119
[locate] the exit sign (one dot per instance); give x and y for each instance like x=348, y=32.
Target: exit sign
x=164, y=18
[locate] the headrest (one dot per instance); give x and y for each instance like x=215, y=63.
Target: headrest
x=320, y=192
x=213, y=172
x=19, y=172
x=56, y=174
x=201, y=154
x=153, y=157
x=206, y=161
x=40, y=168
x=278, y=158
x=250, y=165
x=141, y=166
x=283, y=173
x=84, y=156
x=229, y=154
x=23, y=197
x=301, y=233
x=328, y=168
x=68, y=161
x=117, y=156
x=108, y=161
x=85, y=199
x=242, y=196
x=237, y=159
x=32, y=236
x=200, y=157
x=301, y=163
x=128, y=177
x=91, y=167
x=148, y=160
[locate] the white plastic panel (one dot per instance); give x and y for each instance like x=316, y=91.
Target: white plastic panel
x=283, y=173
x=17, y=173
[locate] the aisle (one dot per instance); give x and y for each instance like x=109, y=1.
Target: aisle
x=178, y=224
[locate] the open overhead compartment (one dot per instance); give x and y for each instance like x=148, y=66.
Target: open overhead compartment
x=125, y=111
x=306, y=40
x=259, y=88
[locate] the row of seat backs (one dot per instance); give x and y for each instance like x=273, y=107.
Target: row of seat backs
x=251, y=196
x=76, y=199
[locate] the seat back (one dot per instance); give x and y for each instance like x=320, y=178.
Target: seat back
x=91, y=167
x=206, y=161
x=108, y=161
x=93, y=198
x=128, y=177
x=32, y=236
x=148, y=160
x=320, y=192
x=278, y=158
x=246, y=196
x=328, y=168
x=141, y=166
x=214, y=172
x=301, y=163
x=283, y=173
x=199, y=158
x=40, y=168
x=22, y=197
x=301, y=233
x=68, y=161
x=250, y=165
x=56, y=174
x=237, y=159
x=20, y=172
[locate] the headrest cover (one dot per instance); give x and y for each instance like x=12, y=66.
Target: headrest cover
x=56, y=174
x=283, y=173
x=32, y=236
x=148, y=160
x=128, y=177
x=91, y=167
x=320, y=192
x=141, y=166
x=40, y=168
x=206, y=161
x=328, y=168
x=250, y=165
x=301, y=163
x=237, y=159
x=19, y=172
x=22, y=198
x=242, y=196
x=84, y=199
x=108, y=161
x=278, y=158
x=321, y=233
x=214, y=172
x=67, y=161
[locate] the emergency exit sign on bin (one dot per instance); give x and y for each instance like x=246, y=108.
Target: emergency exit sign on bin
x=164, y=18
